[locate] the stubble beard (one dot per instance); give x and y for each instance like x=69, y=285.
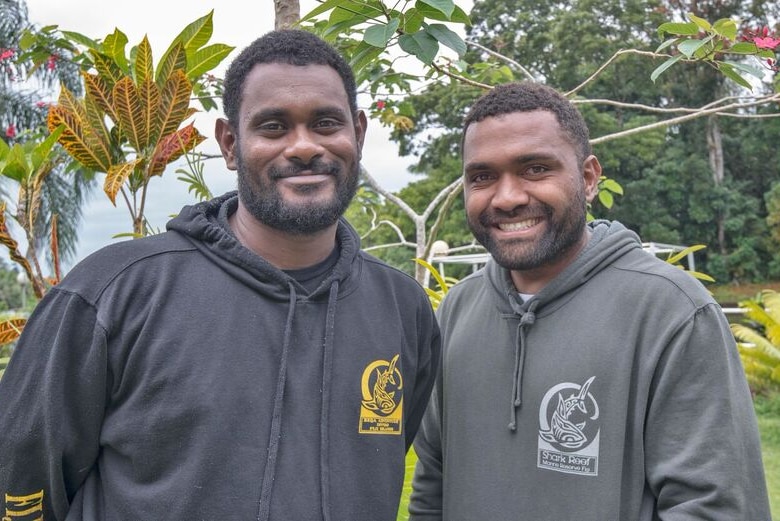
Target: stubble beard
x=561, y=235
x=261, y=197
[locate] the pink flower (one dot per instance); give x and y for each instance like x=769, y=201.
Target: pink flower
x=10, y=132
x=51, y=62
x=6, y=53
x=41, y=104
x=767, y=42
x=380, y=105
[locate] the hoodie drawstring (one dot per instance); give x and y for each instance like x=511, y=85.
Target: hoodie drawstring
x=276, y=419
x=528, y=318
x=327, y=364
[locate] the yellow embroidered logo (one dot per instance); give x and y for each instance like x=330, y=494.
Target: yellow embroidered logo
x=24, y=508
x=381, y=411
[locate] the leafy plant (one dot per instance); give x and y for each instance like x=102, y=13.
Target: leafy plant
x=442, y=283
x=130, y=122
x=28, y=164
x=708, y=42
x=675, y=258
x=759, y=342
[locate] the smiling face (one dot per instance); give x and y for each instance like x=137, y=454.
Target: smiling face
x=296, y=147
x=526, y=193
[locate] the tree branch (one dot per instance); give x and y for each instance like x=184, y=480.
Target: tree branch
x=507, y=59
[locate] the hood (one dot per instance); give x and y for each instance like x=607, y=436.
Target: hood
x=609, y=240
x=207, y=224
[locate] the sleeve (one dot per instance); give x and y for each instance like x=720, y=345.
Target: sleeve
x=52, y=398
x=429, y=353
x=702, y=447
x=425, y=502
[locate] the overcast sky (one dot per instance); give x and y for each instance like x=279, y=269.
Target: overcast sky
x=236, y=23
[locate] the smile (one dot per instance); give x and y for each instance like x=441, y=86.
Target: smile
x=306, y=178
x=521, y=225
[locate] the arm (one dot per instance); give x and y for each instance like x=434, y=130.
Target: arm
x=425, y=503
x=702, y=449
x=428, y=355
x=52, y=398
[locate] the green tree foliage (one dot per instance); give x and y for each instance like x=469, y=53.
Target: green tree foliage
x=24, y=98
x=702, y=181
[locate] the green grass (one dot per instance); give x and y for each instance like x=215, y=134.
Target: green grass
x=403, y=508
x=768, y=413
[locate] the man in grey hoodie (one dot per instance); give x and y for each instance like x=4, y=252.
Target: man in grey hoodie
x=582, y=378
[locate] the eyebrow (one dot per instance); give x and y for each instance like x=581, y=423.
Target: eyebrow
x=518, y=161
x=277, y=113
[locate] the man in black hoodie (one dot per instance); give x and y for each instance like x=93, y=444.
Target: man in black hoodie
x=251, y=362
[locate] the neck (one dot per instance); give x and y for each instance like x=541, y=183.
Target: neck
x=284, y=250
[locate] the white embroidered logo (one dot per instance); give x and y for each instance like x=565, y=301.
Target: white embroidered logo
x=569, y=430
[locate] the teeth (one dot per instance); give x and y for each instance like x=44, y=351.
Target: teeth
x=513, y=227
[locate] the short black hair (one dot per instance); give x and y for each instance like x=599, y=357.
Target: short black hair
x=528, y=96
x=289, y=46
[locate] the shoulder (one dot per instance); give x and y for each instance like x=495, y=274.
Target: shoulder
x=646, y=272
x=379, y=270
x=90, y=277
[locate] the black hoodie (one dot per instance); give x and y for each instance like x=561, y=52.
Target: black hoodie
x=182, y=377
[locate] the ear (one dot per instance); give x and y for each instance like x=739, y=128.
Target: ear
x=361, y=124
x=591, y=173
x=226, y=138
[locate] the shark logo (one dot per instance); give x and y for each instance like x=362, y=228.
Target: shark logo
x=381, y=409
x=569, y=429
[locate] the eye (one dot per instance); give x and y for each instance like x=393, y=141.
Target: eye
x=328, y=124
x=271, y=127
x=480, y=178
x=537, y=170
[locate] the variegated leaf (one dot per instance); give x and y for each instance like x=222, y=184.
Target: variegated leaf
x=174, y=103
x=129, y=109
x=11, y=329
x=197, y=34
x=114, y=47
x=96, y=132
x=150, y=104
x=116, y=177
x=174, y=59
x=144, y=62
x=203, y=60
x=107, y=68
x=78, y=138
x=172, y=147
x=97, y=89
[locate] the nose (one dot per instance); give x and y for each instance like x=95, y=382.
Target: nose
x=303, y=145
x=510, y=192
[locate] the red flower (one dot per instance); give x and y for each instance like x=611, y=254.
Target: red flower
x=6, y=53
x=380, y=105
x=51, y=62
x=10, y=132
x=767, y=42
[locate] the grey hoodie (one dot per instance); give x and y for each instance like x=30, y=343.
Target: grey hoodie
x=616, y=393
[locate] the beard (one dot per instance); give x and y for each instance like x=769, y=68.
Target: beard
x=561, y=234
x=261, y=197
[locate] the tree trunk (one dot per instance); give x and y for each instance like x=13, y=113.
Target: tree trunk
x=715, y=150
x=287, y=13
